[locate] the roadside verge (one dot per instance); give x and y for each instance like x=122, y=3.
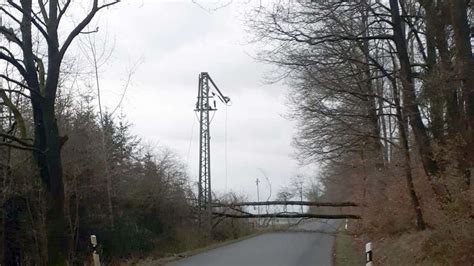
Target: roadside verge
x=175, y=257
x=347, y=249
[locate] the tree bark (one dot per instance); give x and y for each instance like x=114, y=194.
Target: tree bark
x=12, y=234
x=369, y=86
x=47, y=141
x=432, y=87
x=420, y=221
x=411, y=108
x=464, y=65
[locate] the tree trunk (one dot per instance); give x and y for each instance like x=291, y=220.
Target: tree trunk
x=412, y=109
x=57, y=227
x=420, y=222
x=12, y=233
x=370, y=91
x=286, y=203
x=48, y=159
x=47, y=141
x=433, y=87
x=464, y=64
x=288, y=215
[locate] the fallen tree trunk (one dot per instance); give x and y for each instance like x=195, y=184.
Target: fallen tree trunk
x=282, y=215
x=304, y=203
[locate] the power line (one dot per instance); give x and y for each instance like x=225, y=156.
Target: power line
x=190, y=142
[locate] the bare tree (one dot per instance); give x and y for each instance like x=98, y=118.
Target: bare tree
x=356, y=72
x=44, y=19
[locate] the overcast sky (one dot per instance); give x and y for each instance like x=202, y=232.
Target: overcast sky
x=174, y=41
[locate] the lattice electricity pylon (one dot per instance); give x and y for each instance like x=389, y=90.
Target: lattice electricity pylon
x=203, y=106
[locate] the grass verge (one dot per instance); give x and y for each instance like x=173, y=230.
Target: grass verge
x=182, y=255
x=347, y=250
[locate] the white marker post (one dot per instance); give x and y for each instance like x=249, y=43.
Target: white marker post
x=95, y=255
x=345, y=226
x=368, y=254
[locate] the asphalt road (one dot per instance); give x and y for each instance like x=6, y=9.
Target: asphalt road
x=308, y=244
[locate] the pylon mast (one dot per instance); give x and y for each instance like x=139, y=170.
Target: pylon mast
x=204, y=107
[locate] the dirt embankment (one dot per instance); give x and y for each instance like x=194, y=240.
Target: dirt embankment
x=452, y=244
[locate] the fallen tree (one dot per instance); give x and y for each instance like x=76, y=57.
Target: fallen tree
x=285, y=215
x=300, y=203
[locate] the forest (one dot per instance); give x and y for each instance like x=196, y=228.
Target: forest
x=382, y=93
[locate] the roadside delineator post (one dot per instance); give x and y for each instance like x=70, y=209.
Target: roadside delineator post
x=368, y=254
x=95, y=255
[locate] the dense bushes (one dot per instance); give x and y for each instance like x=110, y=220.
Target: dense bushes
x=132, y=197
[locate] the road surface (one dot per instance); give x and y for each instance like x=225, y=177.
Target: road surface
x=309, y=244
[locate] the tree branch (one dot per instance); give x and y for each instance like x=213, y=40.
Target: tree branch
x=43, y=11
x=78, y=29
x=34, y=19
x=18, y=83
x=14, y=62
x=10, y=15
x=18, y=147
x=63, y=10
x=10, y=35
x=15, y=139
x=16, y=91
